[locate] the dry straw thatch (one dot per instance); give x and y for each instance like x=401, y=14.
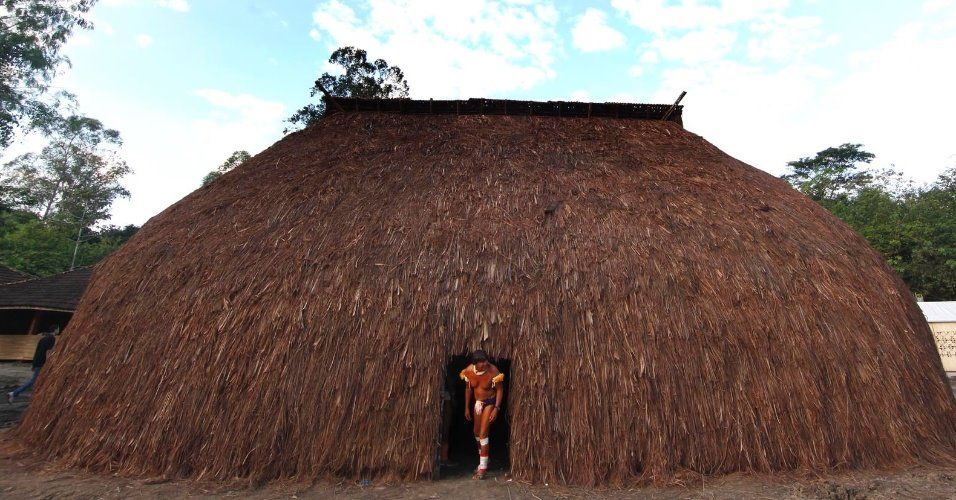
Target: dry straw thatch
x=665, y=307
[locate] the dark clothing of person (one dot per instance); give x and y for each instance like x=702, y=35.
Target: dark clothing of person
x=45, y=344
x=26, y=385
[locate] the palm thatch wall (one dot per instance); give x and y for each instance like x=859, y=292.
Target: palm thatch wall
x=665, y=307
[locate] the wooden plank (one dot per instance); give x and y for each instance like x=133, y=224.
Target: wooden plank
x=673, y=107
x=18, y=347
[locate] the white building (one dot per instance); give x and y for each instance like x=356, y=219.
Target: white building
x=942, y=321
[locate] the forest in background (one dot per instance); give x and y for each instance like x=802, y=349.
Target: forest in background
x=913, y=226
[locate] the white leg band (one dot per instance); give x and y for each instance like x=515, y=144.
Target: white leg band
x=483, y=441
x=483, y=463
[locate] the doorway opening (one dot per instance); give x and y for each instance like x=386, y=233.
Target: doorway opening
x=462, y=448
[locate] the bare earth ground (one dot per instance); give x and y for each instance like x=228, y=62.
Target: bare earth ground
x=22, y=476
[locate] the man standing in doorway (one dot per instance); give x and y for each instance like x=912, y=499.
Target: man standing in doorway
x=47, y=341
x=484, y=381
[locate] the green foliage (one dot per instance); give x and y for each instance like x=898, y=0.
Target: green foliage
x=235, y=159
x=930, y=224
x=51, y=199
x=833, y=174
x=360, y=78
x=74, y=178
x=914, y=228
x=43, y=248
x=32, y=32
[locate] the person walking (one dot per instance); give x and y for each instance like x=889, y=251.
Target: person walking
x=47, y=341
x=483, y=384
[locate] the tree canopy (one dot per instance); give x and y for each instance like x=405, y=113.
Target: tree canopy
x=235, y=159
x=913, y=227
x=75, y=178
x=359, y=78
x=32, y=33
x=834, y=173
x=52, y=201
x=41, y=248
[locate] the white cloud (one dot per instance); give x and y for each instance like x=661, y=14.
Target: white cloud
x=695, y=47
x=781, y=38
x=657, y=16
x=144, y=40
x=177, y=5
x=170, y=154
x=693, y=32
x=937, y=5
x=246, y=108
x=450, y=49
x=592, y=34
x=898, y=97
x=754, y=114
x=767, y=116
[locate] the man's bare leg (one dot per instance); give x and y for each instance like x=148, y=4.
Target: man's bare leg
x=476, y=430
x=483, y=424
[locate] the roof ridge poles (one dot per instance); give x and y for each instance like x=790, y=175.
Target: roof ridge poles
x=673, y=106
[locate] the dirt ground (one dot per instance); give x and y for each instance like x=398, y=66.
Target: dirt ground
x=22, y=476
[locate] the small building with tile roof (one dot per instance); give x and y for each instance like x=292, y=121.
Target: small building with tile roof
x=9, y=275
x=29, y=306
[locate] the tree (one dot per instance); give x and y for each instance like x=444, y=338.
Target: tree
x=32, y=32
x=832, y=174
x=360, y=78
x=76, y=177
x=913, y=228
x=235, y=159
x=930, y=228
x=40, y=248
x=73, y=180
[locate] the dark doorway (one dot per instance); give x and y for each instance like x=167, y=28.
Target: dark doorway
x=462, y=448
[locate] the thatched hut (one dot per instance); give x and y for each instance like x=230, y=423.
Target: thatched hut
x=661, y=306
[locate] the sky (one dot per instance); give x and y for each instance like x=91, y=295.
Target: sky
x=187, y=82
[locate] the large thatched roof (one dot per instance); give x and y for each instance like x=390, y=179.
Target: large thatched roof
x=665, y=307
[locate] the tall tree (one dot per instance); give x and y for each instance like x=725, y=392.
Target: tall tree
x=235, y=159
x=75, y=177
x=32, y=32
x=359, y=78
x=832, y=174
